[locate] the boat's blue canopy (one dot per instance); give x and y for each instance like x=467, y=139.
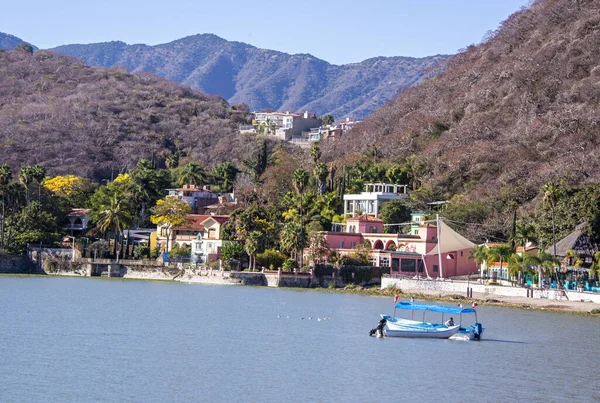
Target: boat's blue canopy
x=433, y=308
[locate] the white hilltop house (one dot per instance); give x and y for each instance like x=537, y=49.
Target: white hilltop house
x=370, y=201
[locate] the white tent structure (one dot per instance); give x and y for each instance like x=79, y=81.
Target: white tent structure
x=448, y=241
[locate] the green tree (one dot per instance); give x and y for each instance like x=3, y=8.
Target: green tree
x=170, y=212
x=500, y=253
x=327, y=120
x=520, y=264
x=315, y=153
x=252, y=247
x=318, y=248
x=172, y=161
x=113, y=215
x=270, y=258
x=191, y=173
x=227, y=172
x=5, y=178
x=34, y=226
x=394, y=212
x=292, y=239
x=524, y=233
x=232, y=253
x=320, y=172
x=481, y=255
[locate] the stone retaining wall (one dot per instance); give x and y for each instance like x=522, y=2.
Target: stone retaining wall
x=18, y=265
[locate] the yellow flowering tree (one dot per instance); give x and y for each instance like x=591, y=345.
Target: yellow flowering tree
x=170, y=212
x=67, y=186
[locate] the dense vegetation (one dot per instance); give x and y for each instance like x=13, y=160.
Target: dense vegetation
x=93, y=122
x=506, y=116
x=266, y=79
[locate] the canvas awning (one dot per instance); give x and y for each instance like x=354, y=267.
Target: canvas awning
x=450, y=241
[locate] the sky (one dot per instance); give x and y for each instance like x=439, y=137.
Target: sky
x=338, y=31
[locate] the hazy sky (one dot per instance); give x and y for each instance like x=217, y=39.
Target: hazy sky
x=339, y=31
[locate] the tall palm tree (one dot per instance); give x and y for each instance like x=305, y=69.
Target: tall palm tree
x=300, y=180
x=144, y=188
x=315, y=153
x=38, y=172
x=114, y=215
x=172, y=161
x=524, y=233
x=552, y=193
x=25, y=178
x=320, y=172
x=291, y=238
x=500, y=253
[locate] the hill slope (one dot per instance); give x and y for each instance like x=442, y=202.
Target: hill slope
x=56, y=111
x=506, y=116
x=266, y=79
x=8, y=42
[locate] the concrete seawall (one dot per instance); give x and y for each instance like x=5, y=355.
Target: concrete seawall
x=437, y=287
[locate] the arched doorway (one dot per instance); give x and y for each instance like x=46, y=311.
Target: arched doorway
x=378, y=245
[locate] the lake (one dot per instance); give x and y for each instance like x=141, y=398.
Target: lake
x=108, y=340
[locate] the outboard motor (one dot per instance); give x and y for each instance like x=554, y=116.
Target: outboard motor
x=477, y=332
x=378, y=331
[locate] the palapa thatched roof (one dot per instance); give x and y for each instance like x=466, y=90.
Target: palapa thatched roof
x=577, y=241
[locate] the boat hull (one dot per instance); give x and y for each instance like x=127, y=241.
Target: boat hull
x=434, y=333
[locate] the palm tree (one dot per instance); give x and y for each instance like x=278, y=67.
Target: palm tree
x=552, y=193
x=291, y=238
x=251, y=247
x=300, y=180
x=315, y=153
x=547, y=264
x=500, y=253
x=25, y=178
x=518, y=264
x=114, y=215
x=523, y=234
x=192, y=173
x=38, y=172
x=144, y=188
x=320, y=172
x=172, y=161
x=480, y=254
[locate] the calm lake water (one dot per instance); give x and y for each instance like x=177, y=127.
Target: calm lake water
x=106, y=340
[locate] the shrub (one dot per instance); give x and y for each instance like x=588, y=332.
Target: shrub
x=270, y=258
x=288, y=265
x=140, y=251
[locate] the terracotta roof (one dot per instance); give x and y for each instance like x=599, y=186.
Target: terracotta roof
x=78, y=212
x=365, y=217
x=196, y=221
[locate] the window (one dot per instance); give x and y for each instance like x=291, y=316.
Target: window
x=435, y=268
x=341, y=244
x=420, y=266
x=353, y=245
x=408, y=265
x=461, y=252
x=395, y=264
x=384, y=262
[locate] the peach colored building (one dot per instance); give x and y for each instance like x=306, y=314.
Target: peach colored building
x=414, y=254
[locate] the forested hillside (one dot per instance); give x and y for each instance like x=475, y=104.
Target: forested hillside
x=506, y=116
x=94, y=122
x=266, y=79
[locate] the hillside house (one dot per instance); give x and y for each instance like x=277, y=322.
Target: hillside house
x=406, y=254
x=78, y=221
x=197, y=197
x=283, y=125
x=370, y=201
x=209, y=227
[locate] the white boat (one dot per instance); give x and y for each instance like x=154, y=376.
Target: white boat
x=401, y=327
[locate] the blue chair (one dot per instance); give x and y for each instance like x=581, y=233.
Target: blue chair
x=586, y=287
x=567, y=284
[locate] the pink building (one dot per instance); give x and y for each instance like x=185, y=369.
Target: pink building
x=414, y=254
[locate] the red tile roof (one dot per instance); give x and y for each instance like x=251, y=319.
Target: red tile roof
x=78, y=212
x=196, y=221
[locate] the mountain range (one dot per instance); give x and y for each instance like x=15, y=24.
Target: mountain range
x=263, y=79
